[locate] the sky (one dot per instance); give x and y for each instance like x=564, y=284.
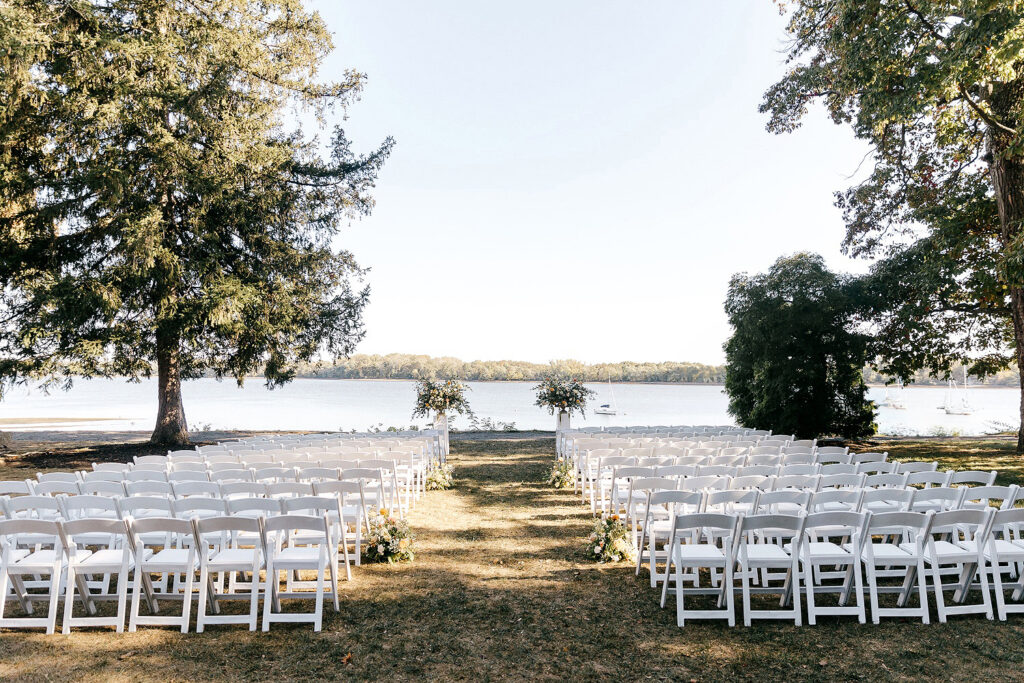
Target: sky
x=576, y=179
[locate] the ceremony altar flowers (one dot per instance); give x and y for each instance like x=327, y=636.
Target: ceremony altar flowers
x=439, y=478
x=562, y=476
x=562, y=395
x=389, y=539
x=610, y=542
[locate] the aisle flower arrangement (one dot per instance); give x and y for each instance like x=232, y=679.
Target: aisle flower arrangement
x=389, y=539
x=562, y=395
x=610, y=542
x=439, y=478
x=561, y=476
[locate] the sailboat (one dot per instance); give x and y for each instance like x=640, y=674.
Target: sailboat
x=608, y=408
x=957, y=400
x=895, y=400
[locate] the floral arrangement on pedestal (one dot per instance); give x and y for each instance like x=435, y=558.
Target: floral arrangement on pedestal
x=610, y=541
x=443, y=397
x=439, y=478
x=562, y=476
x=389, y=539
x=562, y=395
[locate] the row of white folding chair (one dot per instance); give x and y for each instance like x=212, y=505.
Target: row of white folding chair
x=368, y=483
x=166, y=546
x=596, y=467
x=969, y=544
x=350, y=506
x=611, y=491
x=403, y=481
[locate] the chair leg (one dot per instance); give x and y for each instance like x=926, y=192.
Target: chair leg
x=133, y=615
x=51, y=614
x=186, y=599
x=809, y=586
x=940, y=602
x=69, y=599
x=679, y=594
x=318, y=612
x=204, y=587
x=269, y=596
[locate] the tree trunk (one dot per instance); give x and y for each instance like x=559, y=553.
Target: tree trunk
x=171, y=428
x=1007, y=170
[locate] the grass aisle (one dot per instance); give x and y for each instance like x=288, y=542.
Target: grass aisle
x=501, y=588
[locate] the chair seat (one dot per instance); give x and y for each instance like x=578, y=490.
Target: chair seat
x=170, y=558
x=766, y=552
x=700, y=552
x=297, y=558
x=41, y=561
x=107, y=559
x=888, y=551
x=946, y=552
x=818, y=550
x=230, y=558
x=1007, y=550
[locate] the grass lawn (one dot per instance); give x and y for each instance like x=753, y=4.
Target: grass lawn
x=501, y=588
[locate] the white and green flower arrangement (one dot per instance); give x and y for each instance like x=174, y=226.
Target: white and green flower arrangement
x=439, y=478
x=610, y=541
x=389, y=540
x=562, y=476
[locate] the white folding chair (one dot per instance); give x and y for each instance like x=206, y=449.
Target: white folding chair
x=661, y=508
x=901, y=543
x=284, y=554
x=759, y=546
x=692, y=546
x=164, y=546
x=1005, y=544
x=961, y=546
x=824, y=544
x=17, y=562
x=114, y=560
x=221, y=554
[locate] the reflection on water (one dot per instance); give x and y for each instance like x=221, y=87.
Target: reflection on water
x=360, y=404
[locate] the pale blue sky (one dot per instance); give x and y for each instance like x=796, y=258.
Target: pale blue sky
x=576, y=179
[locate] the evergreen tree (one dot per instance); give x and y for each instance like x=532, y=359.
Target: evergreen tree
x=157, y=210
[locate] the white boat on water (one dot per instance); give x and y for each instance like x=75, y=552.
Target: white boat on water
x=957, y=401
x=894, y=399
x=608, y=408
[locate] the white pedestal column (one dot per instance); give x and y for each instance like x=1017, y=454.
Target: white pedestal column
x=441, y=424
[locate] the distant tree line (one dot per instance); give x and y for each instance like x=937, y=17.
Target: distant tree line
x=1003, y=378
x=412, y=366
x=408, y=366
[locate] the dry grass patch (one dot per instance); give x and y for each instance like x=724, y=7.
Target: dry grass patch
x=502, y=589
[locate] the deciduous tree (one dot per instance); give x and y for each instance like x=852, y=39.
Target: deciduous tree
x=795, y=357
x=936, y=88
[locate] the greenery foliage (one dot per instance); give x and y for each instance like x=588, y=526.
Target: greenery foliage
x=446, y=397
x=389, y=539
x=610, y=541
x=559, y=394
x=794, y=358
x=156, y=209
x=937, y=90
x=410, y=366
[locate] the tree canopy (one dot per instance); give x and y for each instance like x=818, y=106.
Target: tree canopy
x=795, y=357
x=936, y=88
x=162, y=208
